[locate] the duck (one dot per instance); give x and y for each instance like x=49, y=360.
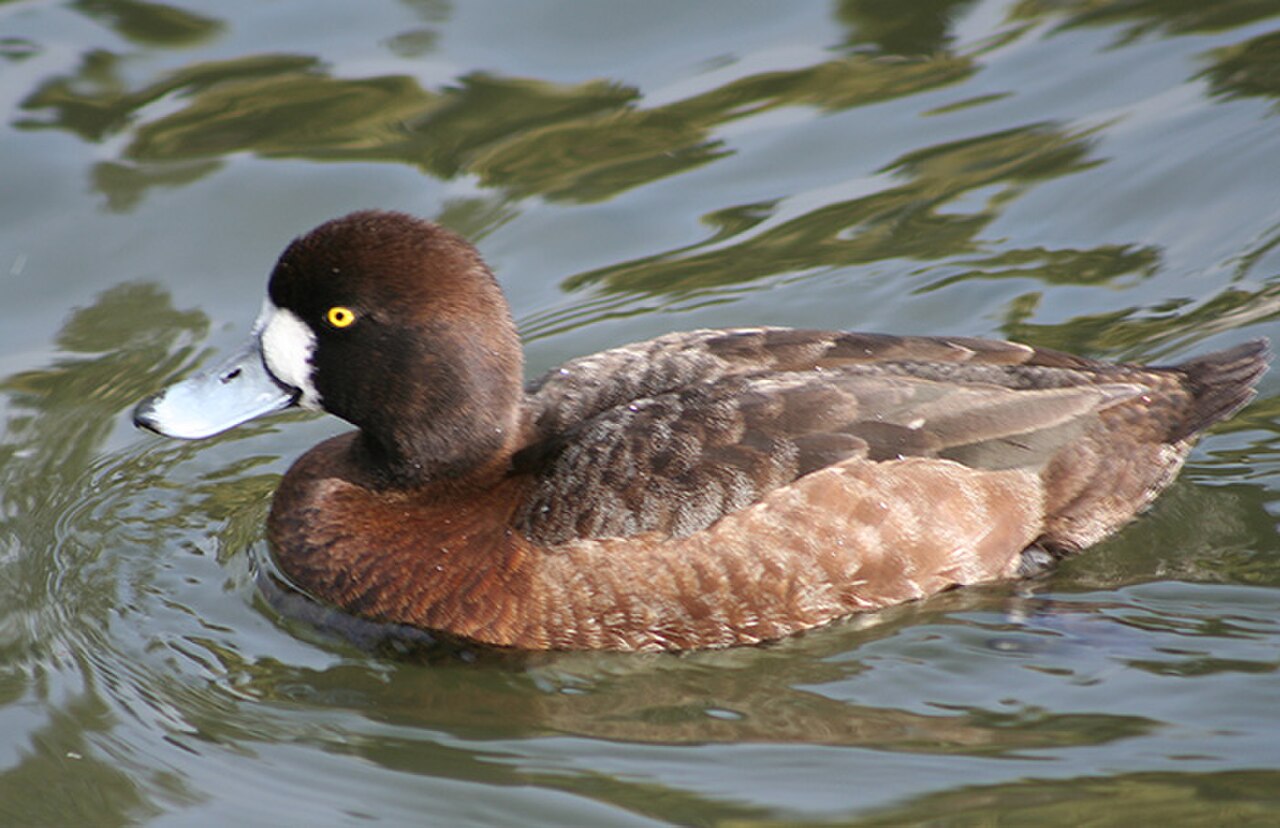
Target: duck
x=703, y=489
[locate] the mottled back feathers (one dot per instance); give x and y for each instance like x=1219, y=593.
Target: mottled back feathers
x=672, y=434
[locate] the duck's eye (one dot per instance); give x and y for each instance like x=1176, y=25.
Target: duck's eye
x=340, y=317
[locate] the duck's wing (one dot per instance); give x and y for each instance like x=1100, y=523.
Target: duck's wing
x=780, y=405
x=584, y=387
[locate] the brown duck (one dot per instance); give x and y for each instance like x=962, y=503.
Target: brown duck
x=701, y=489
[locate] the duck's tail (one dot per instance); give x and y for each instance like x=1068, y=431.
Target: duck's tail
x=1221, y=383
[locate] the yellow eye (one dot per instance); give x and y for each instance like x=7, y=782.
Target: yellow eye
x=340, y=317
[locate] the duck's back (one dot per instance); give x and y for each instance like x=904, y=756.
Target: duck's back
x=672, y=434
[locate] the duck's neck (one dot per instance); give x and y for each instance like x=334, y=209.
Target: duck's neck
x=433, y=461
x=456, y=423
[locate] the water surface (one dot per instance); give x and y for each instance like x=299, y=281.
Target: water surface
x=1102, y=177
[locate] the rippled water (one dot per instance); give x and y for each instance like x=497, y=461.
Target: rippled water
x=1097, y=176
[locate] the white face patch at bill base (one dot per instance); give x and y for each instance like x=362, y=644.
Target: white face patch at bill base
x=288, y=350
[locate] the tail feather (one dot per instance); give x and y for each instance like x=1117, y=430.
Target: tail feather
x=1222, y=383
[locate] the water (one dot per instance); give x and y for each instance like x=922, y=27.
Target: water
x=1102, y=177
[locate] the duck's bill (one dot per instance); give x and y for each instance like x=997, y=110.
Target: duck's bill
x=215, y=400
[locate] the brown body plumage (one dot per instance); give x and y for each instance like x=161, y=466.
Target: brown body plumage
x=702, y=489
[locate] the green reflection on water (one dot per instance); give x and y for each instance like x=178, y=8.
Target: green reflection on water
x=1248, y=69
x=1135, y=330
x=585, y=142
x=151, y=24
x=1243, y=797
x=119, y=348
x=593, y=140
x=882, y=25
x=93, y=792
x=1146, y=17
x=68, y=514
x=95, y=101
x=905, y=221
x=88, y=538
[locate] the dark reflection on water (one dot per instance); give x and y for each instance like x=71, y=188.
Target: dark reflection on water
x=761, y=695
x=143, y=676
x=507, y=727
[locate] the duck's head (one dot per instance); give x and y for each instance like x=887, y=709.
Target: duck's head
x=388, y=321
